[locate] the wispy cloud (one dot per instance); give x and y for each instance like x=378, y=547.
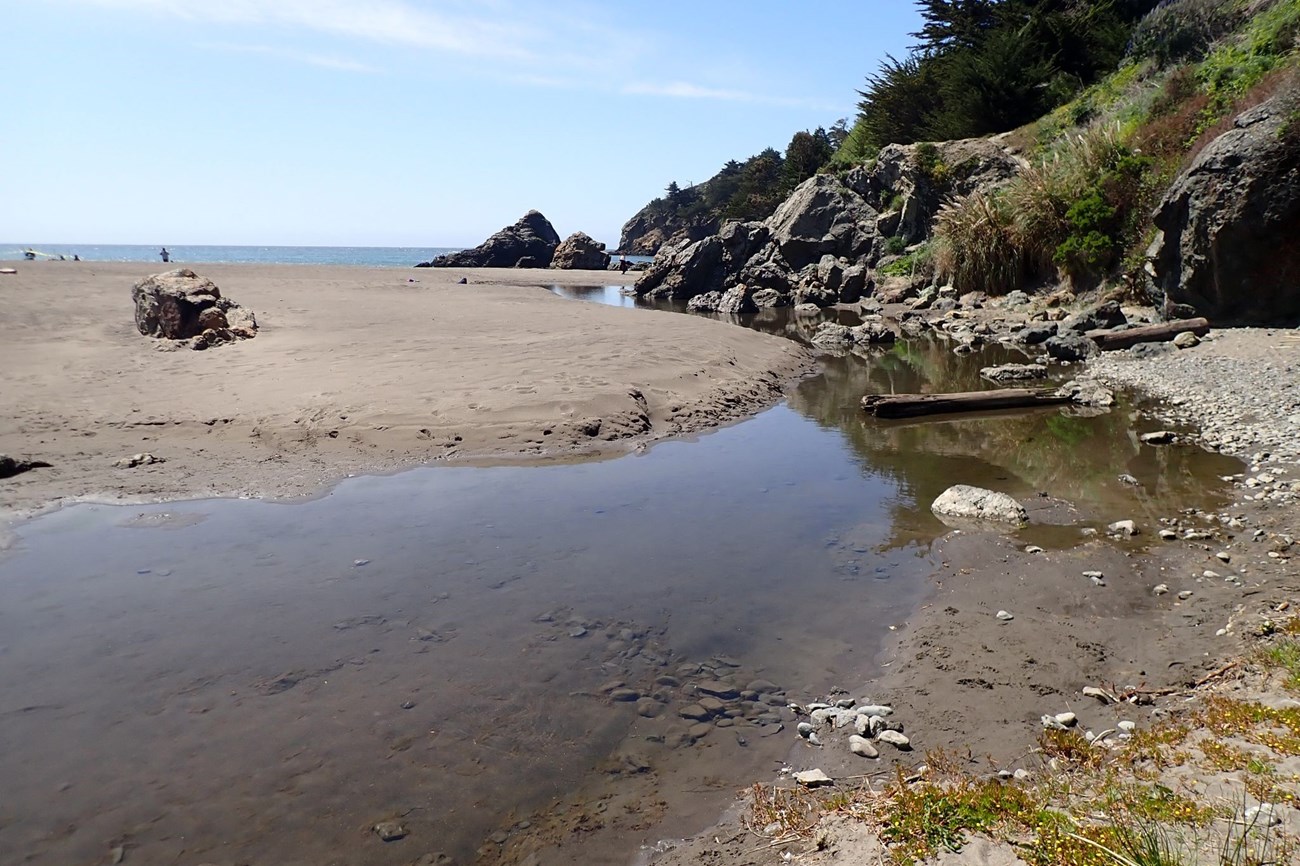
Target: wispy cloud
x=326, y=61
x=387, y=21
x=686, y=90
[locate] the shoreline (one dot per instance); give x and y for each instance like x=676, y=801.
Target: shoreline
x=355, y=371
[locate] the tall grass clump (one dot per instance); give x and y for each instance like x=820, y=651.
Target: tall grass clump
x=975, y=245
x=1071, y=215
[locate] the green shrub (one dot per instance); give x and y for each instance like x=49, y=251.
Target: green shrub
x=1183, y=30
x=896, y=246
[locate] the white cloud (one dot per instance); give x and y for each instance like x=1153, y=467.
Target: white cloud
x=686, y=90
x=325, y=61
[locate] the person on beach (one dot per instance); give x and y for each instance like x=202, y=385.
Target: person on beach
x=166, y=256
x=622, y=263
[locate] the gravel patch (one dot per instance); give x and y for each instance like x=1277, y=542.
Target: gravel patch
x=1240, y=388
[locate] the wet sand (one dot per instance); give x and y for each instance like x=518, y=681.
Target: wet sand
x=354, y=370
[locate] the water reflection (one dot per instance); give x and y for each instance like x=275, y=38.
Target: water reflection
x=613, y=296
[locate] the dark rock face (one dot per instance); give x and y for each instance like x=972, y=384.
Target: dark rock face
x=1226, y=246
x=1070, y=347
x=580, y=252
x=181, y=305
x=822, y=216
x=532, y=236
x=1100, y=317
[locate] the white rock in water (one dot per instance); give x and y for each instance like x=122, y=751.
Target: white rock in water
x=862, y=747
x=813, y=779
x=894, y=738
x=962, y=500
x=1160, y=437
x=1033, y=548
x=1124, y=527
x=1005, y=616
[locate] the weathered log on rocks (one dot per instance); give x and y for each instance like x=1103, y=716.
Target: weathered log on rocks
x=913, y=405
x=1109, y=341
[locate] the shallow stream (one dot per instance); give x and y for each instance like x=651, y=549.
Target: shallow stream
x=496, y=658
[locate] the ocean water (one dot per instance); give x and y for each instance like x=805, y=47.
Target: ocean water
x=375, y=257
x=372, y=257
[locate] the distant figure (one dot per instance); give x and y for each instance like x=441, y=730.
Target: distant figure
x=76, y=258
x=30, y=255
x=622, y=263
x=166, y=256
x=61, y=258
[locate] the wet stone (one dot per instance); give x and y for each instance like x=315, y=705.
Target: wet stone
x=712, y=705
x=697, y=731
x=718, y=689
x=648, y=708
x=390, y=831
x=665, y=680
x=693, y=711
x=626, y=695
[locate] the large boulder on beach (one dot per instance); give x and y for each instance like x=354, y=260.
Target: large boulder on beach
x=181, y=305
x=976, y=503
x=1225, y=246
x=580, y=252
x=822, y=216
x=532, y=236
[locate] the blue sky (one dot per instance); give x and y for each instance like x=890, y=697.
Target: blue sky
x=401, y=122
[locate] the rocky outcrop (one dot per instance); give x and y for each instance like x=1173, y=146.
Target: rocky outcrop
x=532, y=236
x=580, y=252
x=653, y=228
x=181, y=305
x=909, y=182
x=1225, y=247
x=822, y=243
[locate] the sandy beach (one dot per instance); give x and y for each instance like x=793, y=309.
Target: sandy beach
x=354, y=370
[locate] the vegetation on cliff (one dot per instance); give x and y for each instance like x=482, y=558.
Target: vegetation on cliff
x=1081, y=211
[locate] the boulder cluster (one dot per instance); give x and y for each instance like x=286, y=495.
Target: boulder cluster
x=180, y=305
x=531, y=242
x=823, y=243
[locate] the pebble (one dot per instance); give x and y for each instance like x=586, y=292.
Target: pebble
x=862, y=747
x=1128, y=479
x=390, y=831
x=1168, y=534
x=896, y=739
x=1094, y=692
x=1128, y=726
x=1022, y=775
x=1005, y=616
x=804, y=729
x=1185, y=594
x=359, y=563
x=1223, y=556
x=578, y=632
x=625, y=695
x=1124, y=527
x=1160, y=589
x=648, y=708
x=693, y=711
x=813, y=779
x=875, y=710
x=408, y=705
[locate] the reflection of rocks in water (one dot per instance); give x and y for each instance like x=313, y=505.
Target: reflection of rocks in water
x=677, y=712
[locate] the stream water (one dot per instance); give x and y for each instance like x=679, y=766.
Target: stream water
x=498, y=658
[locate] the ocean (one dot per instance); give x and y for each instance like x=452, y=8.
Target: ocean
x=373, y=257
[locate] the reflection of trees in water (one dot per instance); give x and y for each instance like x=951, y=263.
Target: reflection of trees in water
x=1059, y=451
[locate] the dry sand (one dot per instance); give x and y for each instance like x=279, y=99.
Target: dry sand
x=354, y=370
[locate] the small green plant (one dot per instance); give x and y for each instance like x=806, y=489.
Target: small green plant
x=896, y=246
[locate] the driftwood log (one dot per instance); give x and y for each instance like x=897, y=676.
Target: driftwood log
x=912, y=405
x=1110, y=341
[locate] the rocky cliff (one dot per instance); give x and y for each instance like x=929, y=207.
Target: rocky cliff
x=822, y=244
x=530, y=242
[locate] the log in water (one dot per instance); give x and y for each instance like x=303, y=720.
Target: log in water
x=912, y=405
